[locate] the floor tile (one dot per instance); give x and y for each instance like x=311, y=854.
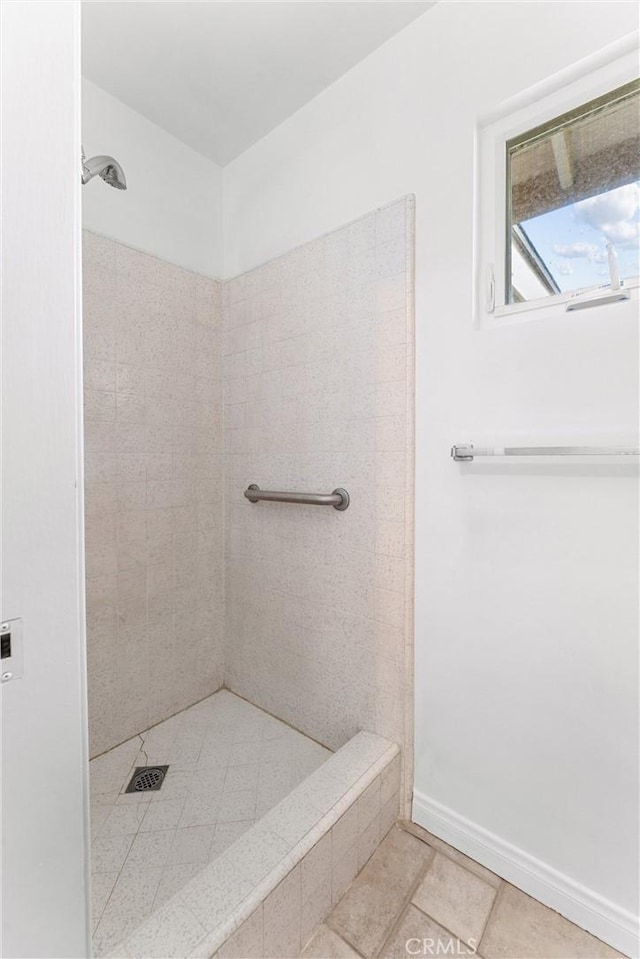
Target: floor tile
x=228, y=761
x=173, y=879
x=419, y=935
x=326, y=944
x=456, y=899
x=226, y=834
x=521, y=926
x=108, y=854
x=151, y=849
x=176, y=785
x=241, y=777
x=129, y=905
x=109, y=770
x=440, y=846
x=171, y=934
x=123, y=820
x=162, y=815
x=192, y=845
x=102, y=884
x=236, y=806
x=366, y=913
x=97, y=817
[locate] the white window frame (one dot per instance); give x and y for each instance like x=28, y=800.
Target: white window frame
x=593, y=77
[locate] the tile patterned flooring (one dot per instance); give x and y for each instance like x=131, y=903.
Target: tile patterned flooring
x=229, y=763
x=419, y=897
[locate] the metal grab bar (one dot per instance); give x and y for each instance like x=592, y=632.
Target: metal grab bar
x=339, y=499
x=467, y=453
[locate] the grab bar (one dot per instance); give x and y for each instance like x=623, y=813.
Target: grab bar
x=466, y=454
x=339, y=499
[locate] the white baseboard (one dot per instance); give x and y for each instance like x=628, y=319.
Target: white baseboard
x=601, y=917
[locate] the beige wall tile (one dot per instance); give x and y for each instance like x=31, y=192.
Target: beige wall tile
x=300, y=414
x=283, y=917
x=344, y=871
x=345, y=833
x=316, y=908
x=390, y=813
x=151, y=335
x=316, y=867
x=248, y=940
x=368, y=805
x=161, y=359
x=368, y=841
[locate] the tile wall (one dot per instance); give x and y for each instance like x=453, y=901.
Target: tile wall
x=306, y=611
x=153, y=489
x=318, y=393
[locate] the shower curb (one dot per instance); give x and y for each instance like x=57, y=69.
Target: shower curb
x=356, y=789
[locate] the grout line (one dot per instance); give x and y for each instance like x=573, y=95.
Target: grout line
x=446, y=849
x=378, y=952
x=161, y=721
x=454, y=935
x=338, y=934
x=407, y=902
x=273, y=716
x=104, y=909
x=497, y=896
x=300, y=246
x=494, y=904
x=140, y=738
x=142, y=749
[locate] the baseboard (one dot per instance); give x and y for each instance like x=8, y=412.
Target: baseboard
x=583, y=906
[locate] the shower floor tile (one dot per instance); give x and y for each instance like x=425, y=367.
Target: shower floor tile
x=229, y=763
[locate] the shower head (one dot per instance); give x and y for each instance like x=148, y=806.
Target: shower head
x=105, y=167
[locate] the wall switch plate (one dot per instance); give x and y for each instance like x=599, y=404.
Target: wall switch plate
x=10, y=650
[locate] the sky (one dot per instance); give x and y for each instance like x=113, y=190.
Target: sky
x=572, y=240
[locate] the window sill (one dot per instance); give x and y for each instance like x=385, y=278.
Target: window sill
x=552, y=306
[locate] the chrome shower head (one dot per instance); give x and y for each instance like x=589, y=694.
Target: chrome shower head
x=105, y=167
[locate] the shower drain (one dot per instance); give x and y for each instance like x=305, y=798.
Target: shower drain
x=147, y=779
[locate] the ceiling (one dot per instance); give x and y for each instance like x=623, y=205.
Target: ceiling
x=220, y=75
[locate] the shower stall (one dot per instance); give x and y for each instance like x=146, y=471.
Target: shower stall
x=248, y=496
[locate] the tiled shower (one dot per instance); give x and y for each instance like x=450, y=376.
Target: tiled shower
x=295, y=376
x=153, y=489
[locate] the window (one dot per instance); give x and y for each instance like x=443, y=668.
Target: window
x=573, y=192
x=558, y=194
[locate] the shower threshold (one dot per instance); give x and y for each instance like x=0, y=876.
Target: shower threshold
x=229, y=763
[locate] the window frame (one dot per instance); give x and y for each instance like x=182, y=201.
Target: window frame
x=561, y=94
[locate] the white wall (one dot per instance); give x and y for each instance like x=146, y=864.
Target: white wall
x=44, y=754
x=526, y=628
x=173, y=203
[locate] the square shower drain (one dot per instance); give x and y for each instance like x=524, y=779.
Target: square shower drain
x=147, y=779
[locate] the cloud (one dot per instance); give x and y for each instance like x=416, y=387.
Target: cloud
x=614, y=214
x=565, y=269
x=575, y=250
x=579, y=250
